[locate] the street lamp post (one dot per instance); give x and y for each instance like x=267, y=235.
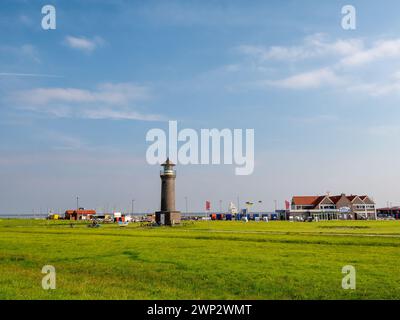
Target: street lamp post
x=133, y=200
x=186, y=205
x=391, y=210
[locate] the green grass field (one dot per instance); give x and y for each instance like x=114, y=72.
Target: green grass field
x=202, y=260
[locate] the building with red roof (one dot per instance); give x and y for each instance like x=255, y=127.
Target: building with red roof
x=329, y=207
x=80, y=214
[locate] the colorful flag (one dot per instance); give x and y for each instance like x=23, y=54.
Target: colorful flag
x=208, y=205
x=287, y=205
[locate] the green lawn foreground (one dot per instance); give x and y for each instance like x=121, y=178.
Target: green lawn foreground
x=201, y=260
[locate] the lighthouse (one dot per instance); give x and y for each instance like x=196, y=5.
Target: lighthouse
x=168, y=215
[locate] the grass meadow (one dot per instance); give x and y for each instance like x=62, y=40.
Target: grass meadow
x=200, y=260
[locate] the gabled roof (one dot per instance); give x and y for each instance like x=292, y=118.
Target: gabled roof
x=351, y=198
x=80, y=211
x=315, y=200
x=367, y=199
x=307, y=200
x=335, y=199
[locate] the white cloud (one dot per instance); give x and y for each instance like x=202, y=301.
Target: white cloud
x=113, y=101
x=379, y=50
x=318, y=61
x=111, y=114
x=391, y=85
x=83, y=44
x=313, y=46
x=311, y=79
x=119, y=93
x=108, y=93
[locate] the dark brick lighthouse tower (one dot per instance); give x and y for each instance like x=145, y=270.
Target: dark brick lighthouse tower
x=168, y=215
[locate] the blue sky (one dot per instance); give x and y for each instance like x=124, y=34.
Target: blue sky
x=76, y=102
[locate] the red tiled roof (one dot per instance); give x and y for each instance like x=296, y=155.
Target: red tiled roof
x=335, y=199
x=315, y=200
x=307, y=200
x=352, y=197
x=80, y=211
